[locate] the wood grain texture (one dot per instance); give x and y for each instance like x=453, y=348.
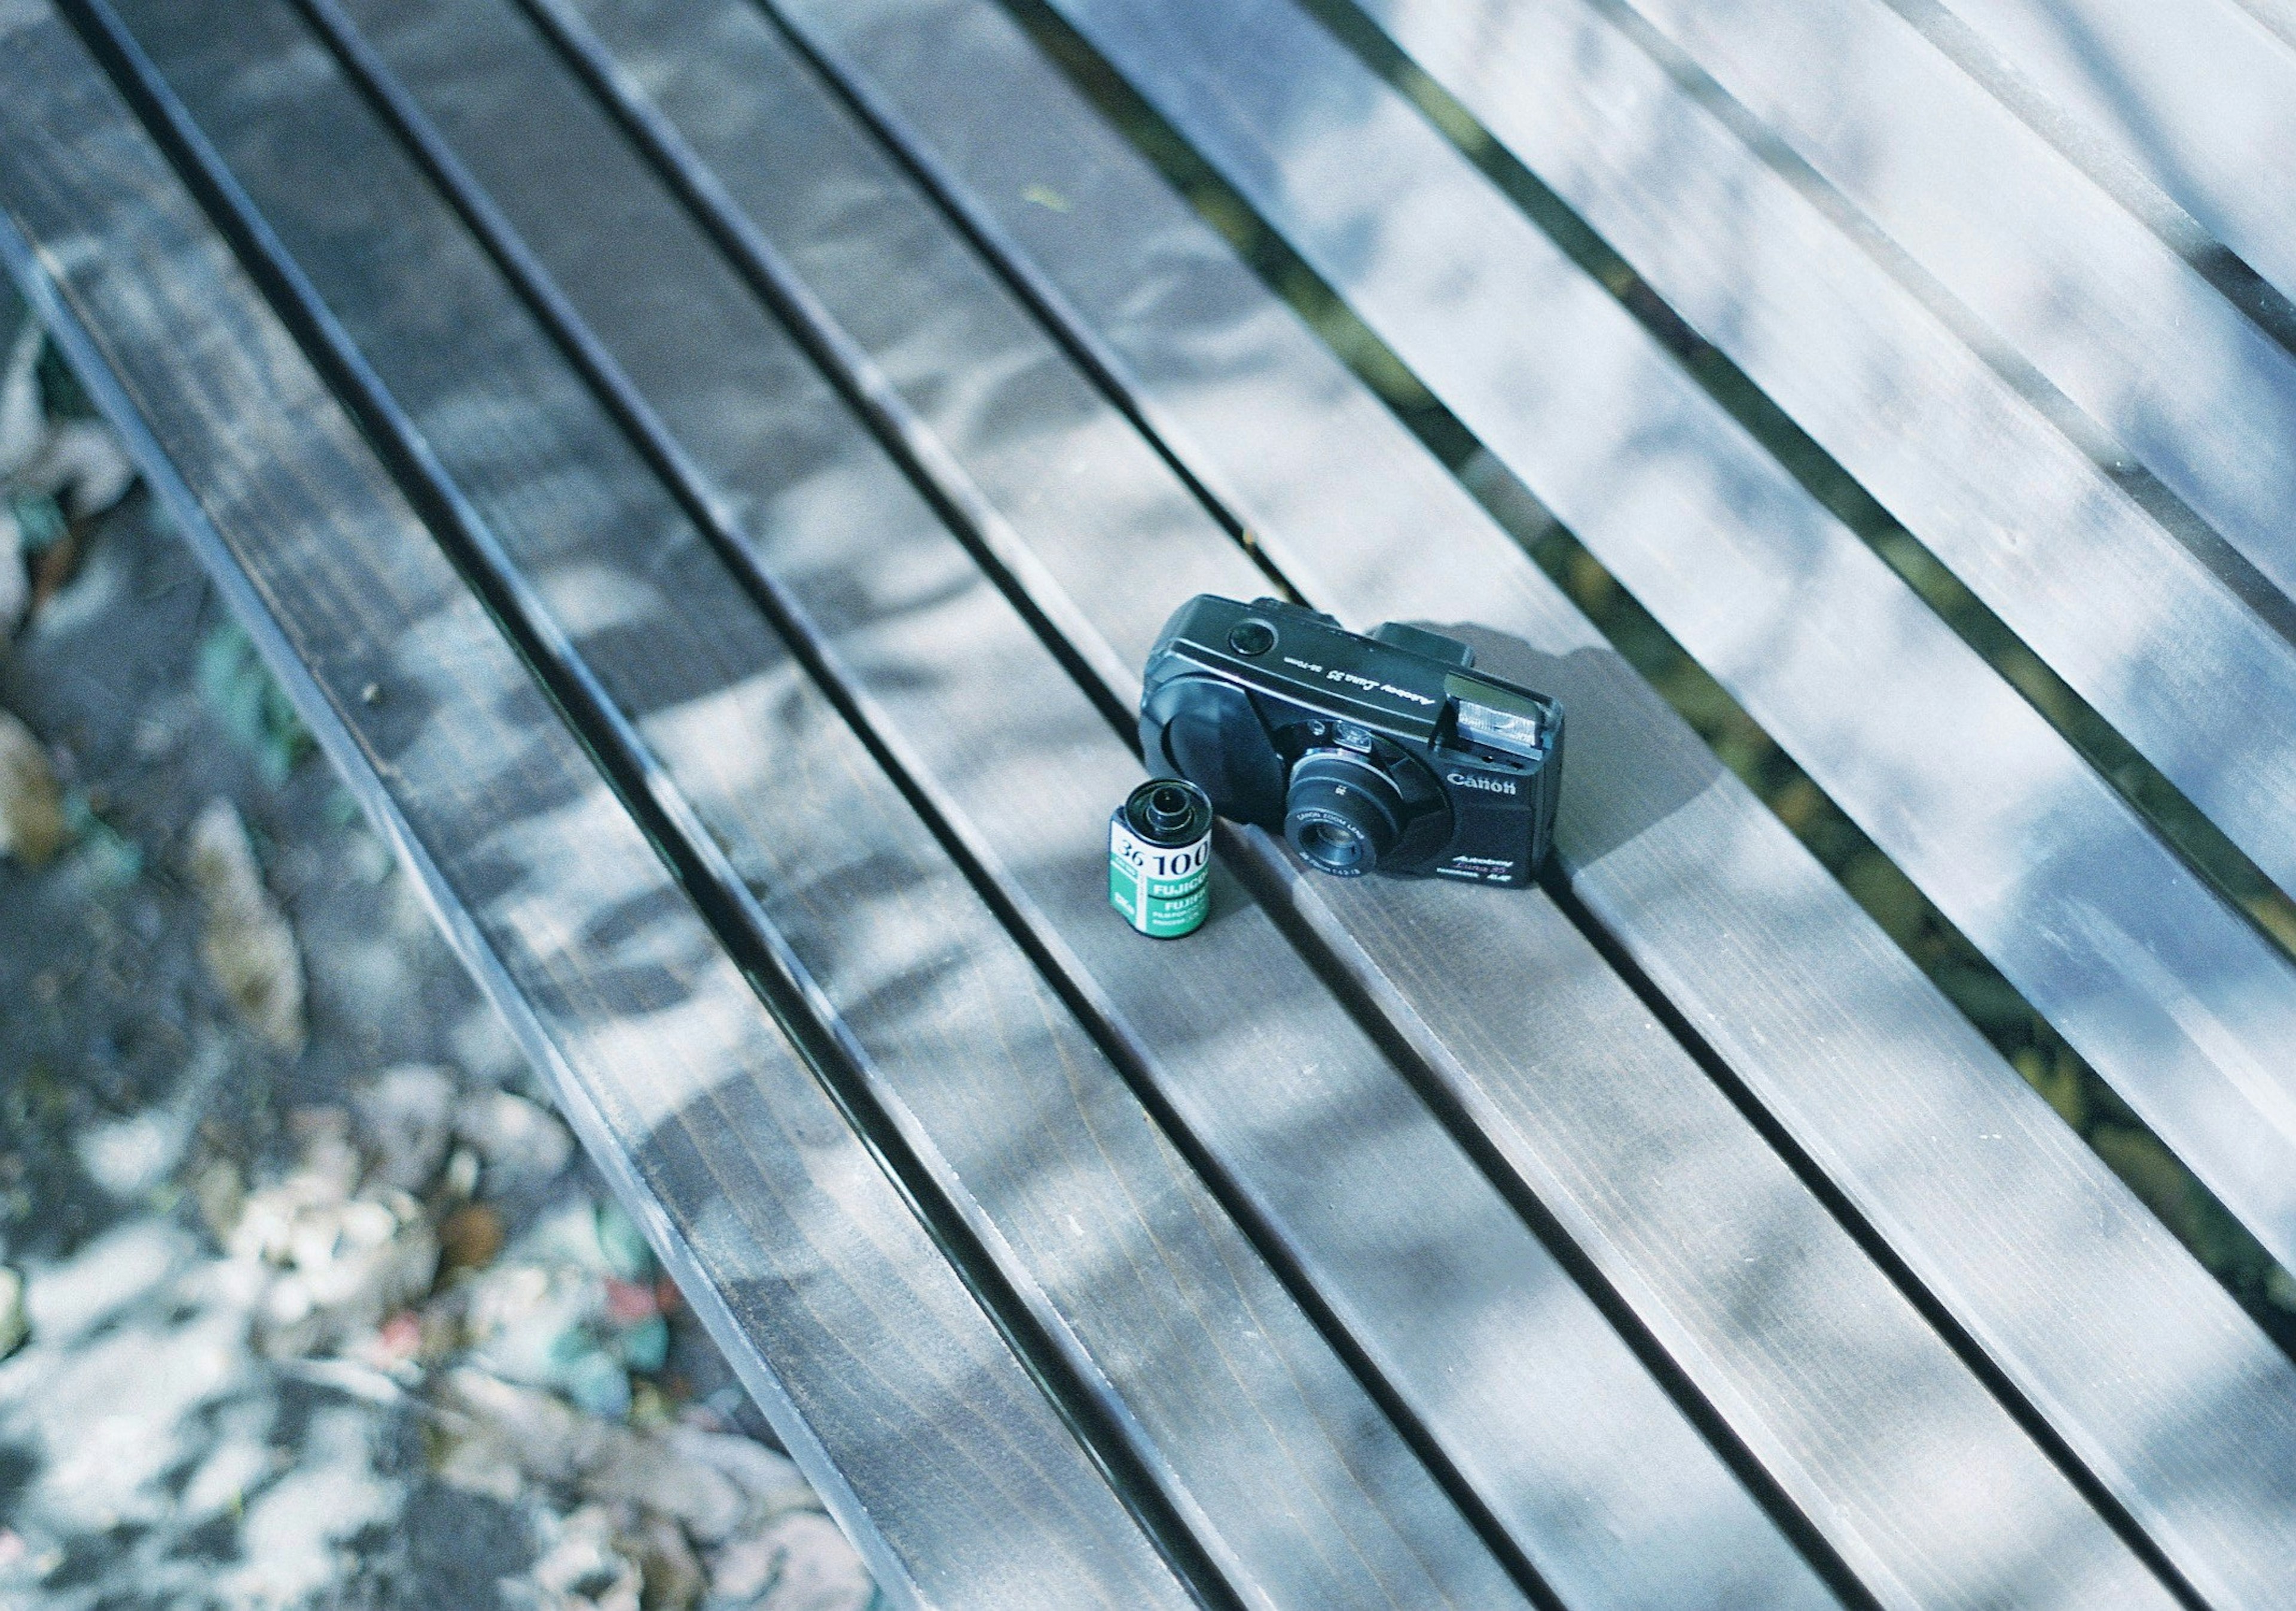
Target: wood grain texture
x=814, y=1276
x=1299, y=1489
x=2116, y=604
x=1505, y=1361
x=2132, y=1352
x=1548, y=1415
x=1804, y=1416
x=2034, y=251
x=2197, y=100
x=2166, y=991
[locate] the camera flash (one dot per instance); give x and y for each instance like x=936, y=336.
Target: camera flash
x=1499, y=729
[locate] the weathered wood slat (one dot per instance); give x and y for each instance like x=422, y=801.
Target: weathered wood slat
x=2199, y=100
x=2168, y=992
x=813, y=1274
x=795, y=190
x=517, y=379
x=2137, y=1358
x=2114, y=602
x=2034, y=251
x=2278, y=15
x=1523, y=1387
x=1299, y=1490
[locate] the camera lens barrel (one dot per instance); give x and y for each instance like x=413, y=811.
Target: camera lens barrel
x=1159, y=844
x=1342, y=812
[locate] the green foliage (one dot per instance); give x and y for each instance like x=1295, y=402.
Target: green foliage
x=61, y=391
x=39, y=518
x=644, y=1346
x=253, y=708
x=622, y=1244
x=108, y=857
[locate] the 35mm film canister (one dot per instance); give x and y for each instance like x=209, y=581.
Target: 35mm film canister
x=1159, y=848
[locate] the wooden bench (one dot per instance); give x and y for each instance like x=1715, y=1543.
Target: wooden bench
x=710, y=472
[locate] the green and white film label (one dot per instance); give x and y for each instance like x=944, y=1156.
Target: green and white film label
x=1162, y=890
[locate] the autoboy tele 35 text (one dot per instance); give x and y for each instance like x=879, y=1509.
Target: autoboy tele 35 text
x=1385, y=753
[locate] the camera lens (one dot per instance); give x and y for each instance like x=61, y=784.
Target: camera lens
x=1251, y=638
x=1331, y=845
x=1342, y=812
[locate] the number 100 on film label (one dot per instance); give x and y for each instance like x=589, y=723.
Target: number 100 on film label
x=1162, y=889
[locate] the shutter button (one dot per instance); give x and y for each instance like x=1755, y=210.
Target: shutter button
x=1252, y=637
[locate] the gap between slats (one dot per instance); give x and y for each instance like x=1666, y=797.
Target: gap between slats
x=973, y=519
x=2185, y=1204
x=990, y=237
x=693, y=859
x=2022, y=1034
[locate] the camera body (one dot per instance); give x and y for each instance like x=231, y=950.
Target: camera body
x=1387, y=751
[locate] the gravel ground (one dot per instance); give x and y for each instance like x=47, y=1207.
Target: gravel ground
x=306, y=1299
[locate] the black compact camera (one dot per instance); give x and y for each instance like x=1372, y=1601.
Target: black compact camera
x=1389, y=751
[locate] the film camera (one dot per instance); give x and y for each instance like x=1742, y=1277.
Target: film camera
x=1389, y=751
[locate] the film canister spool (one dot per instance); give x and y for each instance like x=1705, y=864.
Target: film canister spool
x=1160, y=852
